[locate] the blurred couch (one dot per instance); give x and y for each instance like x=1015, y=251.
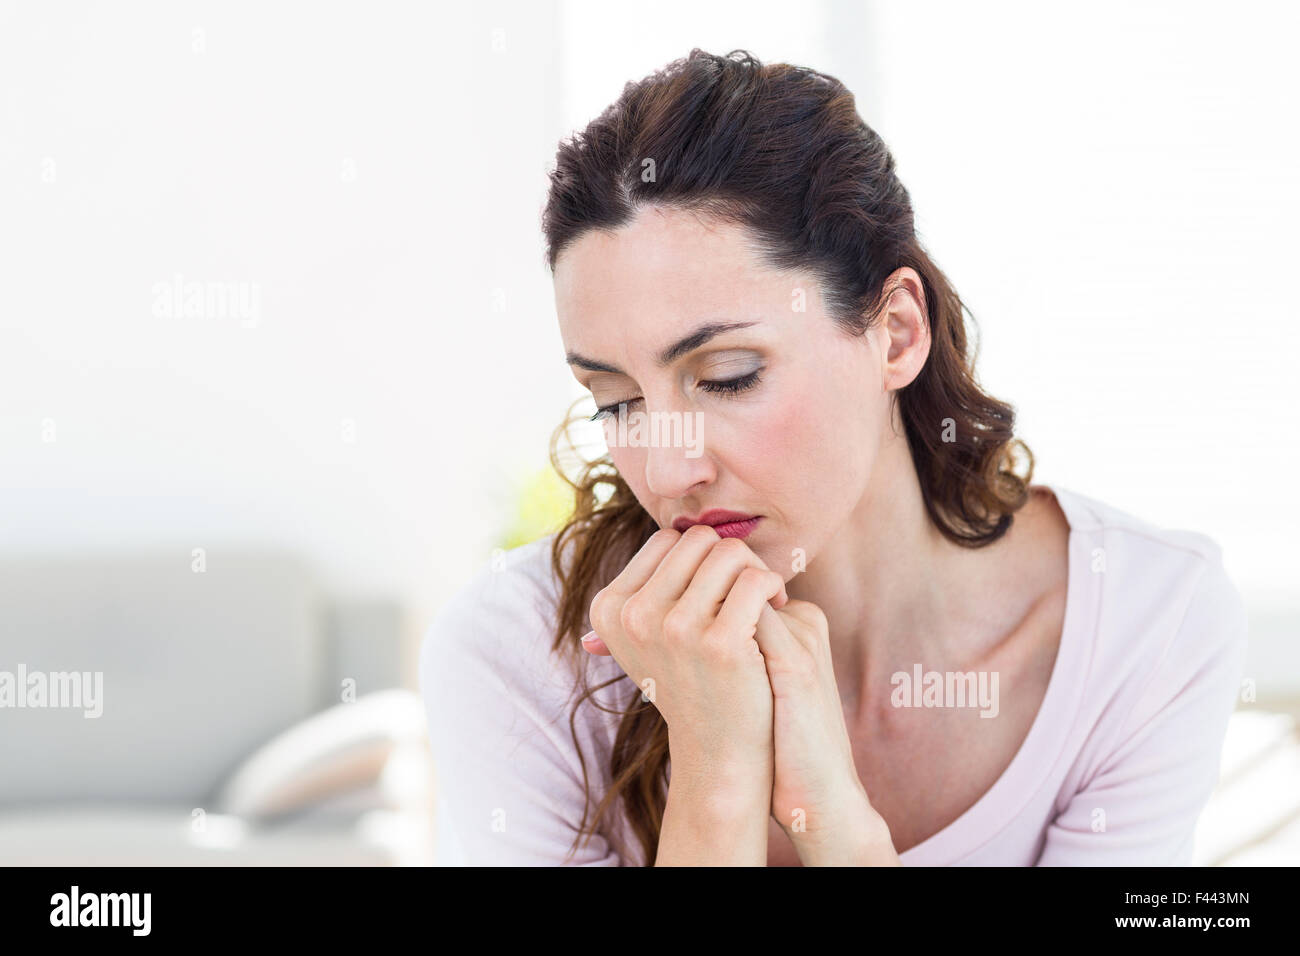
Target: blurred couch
x=1253, y=817
x=245, y=718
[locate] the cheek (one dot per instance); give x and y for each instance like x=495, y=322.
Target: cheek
x=816, y=425
x=813, y=453
x=786, y=448
x=630, y=462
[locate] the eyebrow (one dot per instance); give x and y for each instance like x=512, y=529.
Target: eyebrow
x=689, y=343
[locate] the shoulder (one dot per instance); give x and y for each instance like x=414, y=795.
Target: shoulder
x=512, y=584
x=1152, y=574
x=498, y=632
x=501, y=613
x=1159, y=618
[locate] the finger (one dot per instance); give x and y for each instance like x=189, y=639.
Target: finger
x=674, y=575
x=813, y=619
x=717, y=575
x=594, y=645
x=779, y=647
x=740, y=611
x=805, y=611
x=634, y=576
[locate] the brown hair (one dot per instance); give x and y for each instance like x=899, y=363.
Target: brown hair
x=781, y=150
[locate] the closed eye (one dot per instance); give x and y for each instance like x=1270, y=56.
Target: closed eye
x=729, y=387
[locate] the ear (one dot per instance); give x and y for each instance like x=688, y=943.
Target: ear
x=905, y=324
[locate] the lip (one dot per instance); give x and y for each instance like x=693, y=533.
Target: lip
x=728, y=524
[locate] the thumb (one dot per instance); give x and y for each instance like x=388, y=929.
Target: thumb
x=775, y=641
x=806, y=612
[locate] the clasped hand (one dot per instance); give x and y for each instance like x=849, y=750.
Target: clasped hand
x=743, y=678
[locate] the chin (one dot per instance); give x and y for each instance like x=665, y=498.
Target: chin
x=775, y=558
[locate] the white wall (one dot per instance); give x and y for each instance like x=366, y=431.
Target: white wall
x=375, y=173
x=1111, y=186
x=1114, y=189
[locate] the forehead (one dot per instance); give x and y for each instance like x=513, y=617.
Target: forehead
x=669, y=265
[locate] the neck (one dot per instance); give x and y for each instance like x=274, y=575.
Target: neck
x=895, y=591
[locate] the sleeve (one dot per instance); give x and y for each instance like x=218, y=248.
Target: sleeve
x=1142, y=804
x=509, y=785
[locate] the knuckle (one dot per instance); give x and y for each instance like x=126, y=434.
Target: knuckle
x=804, y=672
x=800, y=670
x=676, y=626
x=598, y=612
x=635, y=616
x=718, y=632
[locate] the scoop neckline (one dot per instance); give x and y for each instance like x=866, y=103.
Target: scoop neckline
x=990, y=814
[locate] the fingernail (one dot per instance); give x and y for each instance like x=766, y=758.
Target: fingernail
x=588, y=637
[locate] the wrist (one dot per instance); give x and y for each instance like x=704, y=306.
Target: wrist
x=853, y=834
x=716, y=814
x=722, y=784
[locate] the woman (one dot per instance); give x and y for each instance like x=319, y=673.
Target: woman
x=828, y=619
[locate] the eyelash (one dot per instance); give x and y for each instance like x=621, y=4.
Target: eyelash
x=728, y=387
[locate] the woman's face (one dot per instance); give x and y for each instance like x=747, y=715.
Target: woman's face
x=797, y=445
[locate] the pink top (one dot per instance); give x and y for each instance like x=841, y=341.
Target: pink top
x=1115, y=770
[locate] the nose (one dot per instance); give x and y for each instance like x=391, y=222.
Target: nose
x=675, y=462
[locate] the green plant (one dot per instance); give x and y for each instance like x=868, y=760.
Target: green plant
x=542, y=505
